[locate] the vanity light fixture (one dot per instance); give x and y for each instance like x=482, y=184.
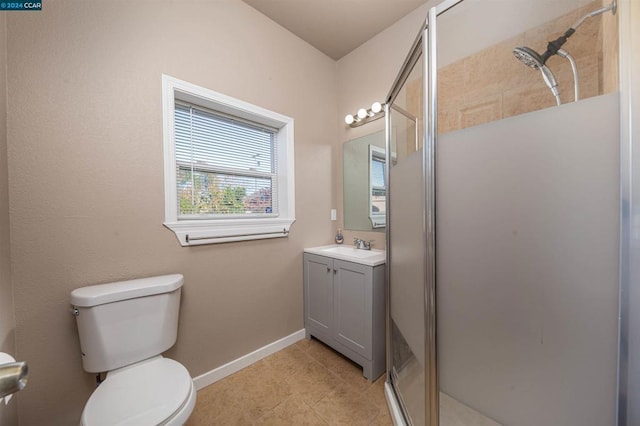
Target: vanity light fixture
x=365, y=115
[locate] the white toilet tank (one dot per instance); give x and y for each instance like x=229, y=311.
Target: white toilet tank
x=125, y=322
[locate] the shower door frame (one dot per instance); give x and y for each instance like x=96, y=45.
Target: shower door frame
x=425, y=42
x=412, y=58
x=629, y=277
x=629, y=290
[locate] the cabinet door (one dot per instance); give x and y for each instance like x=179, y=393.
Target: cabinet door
x=352, y=300
x=318, y=292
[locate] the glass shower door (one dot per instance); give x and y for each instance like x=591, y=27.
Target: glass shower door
x=406, y=249
x=525, y=262
x=527, y=215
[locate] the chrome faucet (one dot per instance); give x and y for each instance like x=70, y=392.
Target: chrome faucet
x=362, y=244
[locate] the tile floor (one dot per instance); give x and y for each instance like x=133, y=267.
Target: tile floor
x=304, y=384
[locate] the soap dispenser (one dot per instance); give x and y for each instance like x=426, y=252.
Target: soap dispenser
x=339, y=237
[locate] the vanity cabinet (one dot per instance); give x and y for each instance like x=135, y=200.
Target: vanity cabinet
x=344, y=305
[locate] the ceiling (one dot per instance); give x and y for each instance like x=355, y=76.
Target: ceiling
x=335, y=27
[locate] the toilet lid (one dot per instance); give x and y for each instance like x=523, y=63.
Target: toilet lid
x=142, y=394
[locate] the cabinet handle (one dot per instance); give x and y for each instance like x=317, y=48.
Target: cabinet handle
x=335, y=271
x=328, y=269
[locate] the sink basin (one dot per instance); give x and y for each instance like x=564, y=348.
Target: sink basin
x=350, y=254
x=352, y=251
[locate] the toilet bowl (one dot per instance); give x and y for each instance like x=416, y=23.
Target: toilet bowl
x=123, y=329
x=158, y=391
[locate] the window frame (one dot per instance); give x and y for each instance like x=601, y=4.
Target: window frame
x=225, y=229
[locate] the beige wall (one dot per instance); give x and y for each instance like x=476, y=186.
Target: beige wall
x=7, y=321
x=86, y=183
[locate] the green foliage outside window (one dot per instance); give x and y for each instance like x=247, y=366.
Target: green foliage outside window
x=208, y=193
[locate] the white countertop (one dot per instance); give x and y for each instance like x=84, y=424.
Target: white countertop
x=371, y=257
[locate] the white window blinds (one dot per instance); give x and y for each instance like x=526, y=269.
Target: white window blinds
x=225, y=166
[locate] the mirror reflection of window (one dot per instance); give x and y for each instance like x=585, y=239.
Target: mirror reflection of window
x=357, y=182
x=377, y=187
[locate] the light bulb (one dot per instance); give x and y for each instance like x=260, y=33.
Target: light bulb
x=349, y=119
x=376, y=107
x=362, y=113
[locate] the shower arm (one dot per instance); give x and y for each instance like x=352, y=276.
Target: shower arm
x=576, y=86
x=554, y=46
x=612, y=7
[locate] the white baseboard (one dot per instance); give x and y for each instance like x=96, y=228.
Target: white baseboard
x=229, y=368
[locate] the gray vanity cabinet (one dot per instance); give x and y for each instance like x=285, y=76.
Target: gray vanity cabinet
x=318, y=293
x=344, y=304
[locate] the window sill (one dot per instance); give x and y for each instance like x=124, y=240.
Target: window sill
x=200, y=232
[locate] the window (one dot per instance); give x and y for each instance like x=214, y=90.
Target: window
x=228, y=167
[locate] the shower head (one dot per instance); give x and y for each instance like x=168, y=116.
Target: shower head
x=532, y=59
x=529, y=57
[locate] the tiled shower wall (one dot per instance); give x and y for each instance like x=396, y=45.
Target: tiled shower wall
x=492, y=84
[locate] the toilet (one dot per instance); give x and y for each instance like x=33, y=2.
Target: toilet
x=123, y=328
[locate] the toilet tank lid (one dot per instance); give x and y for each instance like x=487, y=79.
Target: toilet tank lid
x=100, y=294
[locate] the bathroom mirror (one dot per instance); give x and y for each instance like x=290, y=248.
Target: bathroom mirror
x=364, y=192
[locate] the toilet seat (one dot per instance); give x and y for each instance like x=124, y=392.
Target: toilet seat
x=157, y=391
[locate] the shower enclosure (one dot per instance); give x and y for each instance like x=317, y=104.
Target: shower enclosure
x=504, y=216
